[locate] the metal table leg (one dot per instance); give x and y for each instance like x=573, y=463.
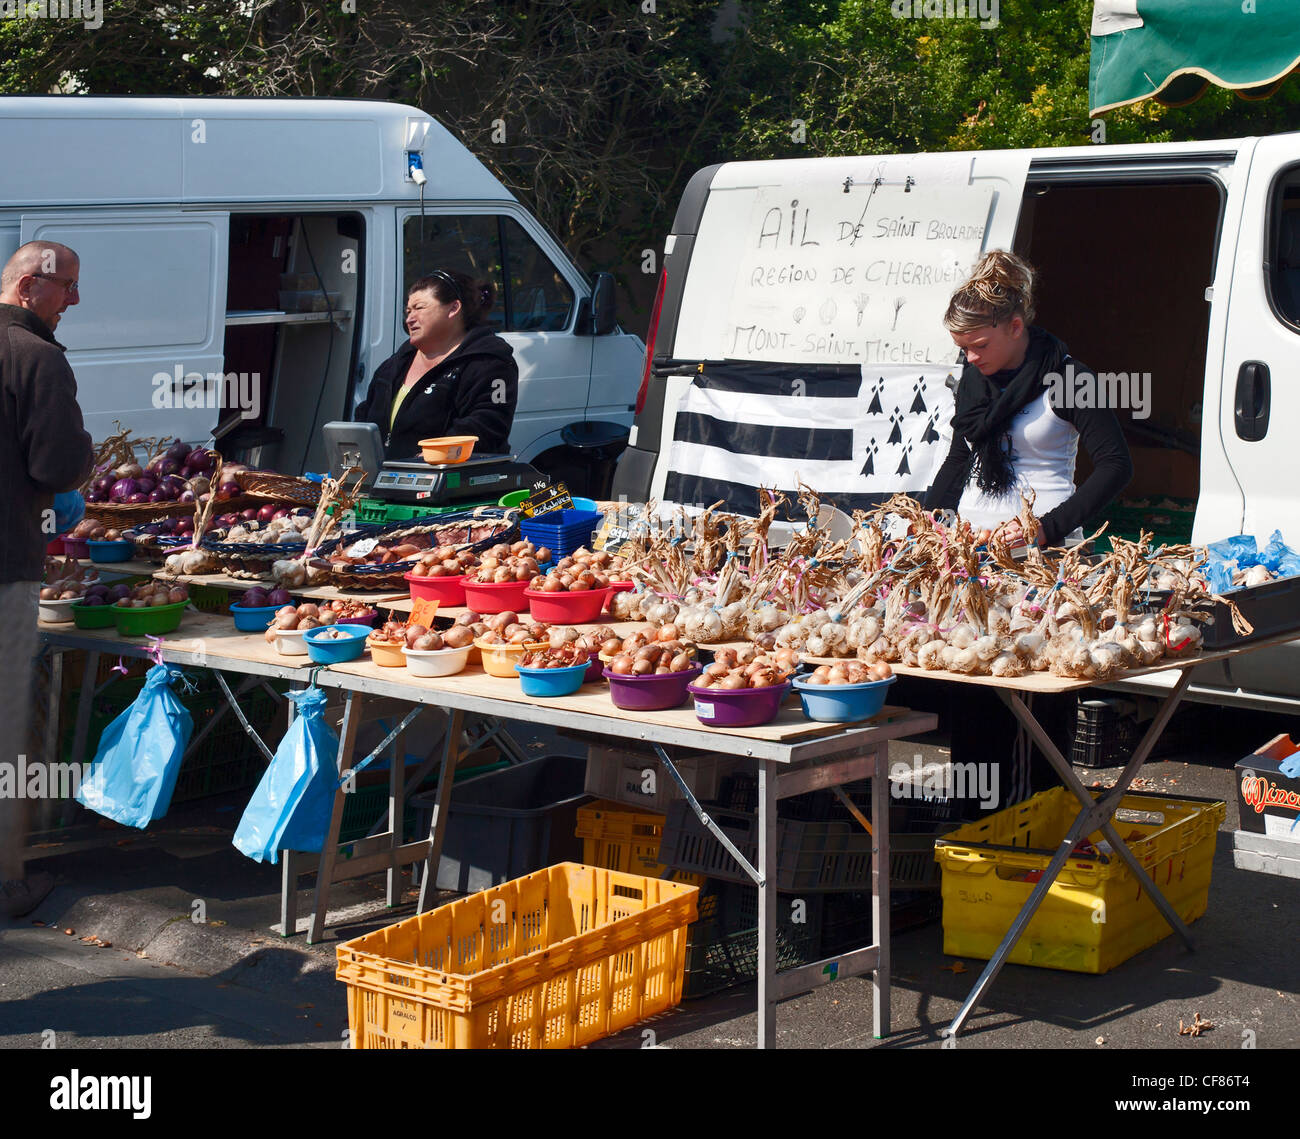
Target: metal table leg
x=438, y=824
x=1093, y=815
x=352, y=713
x=880, y=866
x=767, y=903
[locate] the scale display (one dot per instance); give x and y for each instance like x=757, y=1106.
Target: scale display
x=478, y=479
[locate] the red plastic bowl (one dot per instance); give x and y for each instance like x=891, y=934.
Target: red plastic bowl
x=739, y=707
x=650, y=693
x=447, y=591
x=497, y=596
x=567, y=608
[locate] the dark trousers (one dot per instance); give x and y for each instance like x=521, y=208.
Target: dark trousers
x=983, y=730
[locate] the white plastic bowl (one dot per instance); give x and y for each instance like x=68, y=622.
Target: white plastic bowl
x=57, y=611
x=436, y=662
x=290, y=643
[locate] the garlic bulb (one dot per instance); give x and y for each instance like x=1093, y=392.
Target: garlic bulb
x=1257, y=575
x=626, y=606
x=1007, y=664
x=289, y=574
x=816, y=646
x=962, y=636
x=930, y=655
x=986, y=648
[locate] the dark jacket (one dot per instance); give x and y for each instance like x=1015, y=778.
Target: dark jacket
x=44, y=447
x=1102, y=437
x=458, y=397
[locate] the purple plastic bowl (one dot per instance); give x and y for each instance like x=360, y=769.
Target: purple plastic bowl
x=362, y=620
x=739, y=707
x=650, y=693
x=595, y=670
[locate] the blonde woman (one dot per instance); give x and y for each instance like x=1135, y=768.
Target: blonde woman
x=1012, y=430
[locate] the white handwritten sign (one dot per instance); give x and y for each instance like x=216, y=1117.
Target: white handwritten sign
x=863, y=277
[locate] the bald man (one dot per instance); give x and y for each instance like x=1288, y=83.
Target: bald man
x=44, y=449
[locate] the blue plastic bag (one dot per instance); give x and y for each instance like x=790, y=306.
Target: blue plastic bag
x=1241, y=551
x=133, y=774
x=291, y=807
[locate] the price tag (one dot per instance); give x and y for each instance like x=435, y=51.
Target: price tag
x=423, y=612
x=362, y=548
x=611, y=537
x=547, y=499
x=704, y=710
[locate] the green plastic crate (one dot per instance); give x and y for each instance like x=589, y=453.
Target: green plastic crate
x=1169, y=519
x=376, y=510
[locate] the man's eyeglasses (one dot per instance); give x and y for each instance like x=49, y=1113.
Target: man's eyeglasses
x=68, y=284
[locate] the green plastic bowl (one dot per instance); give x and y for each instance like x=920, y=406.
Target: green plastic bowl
x=94, y=616
x=155, y=619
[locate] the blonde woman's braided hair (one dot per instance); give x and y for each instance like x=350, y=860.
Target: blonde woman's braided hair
x=1000, y=287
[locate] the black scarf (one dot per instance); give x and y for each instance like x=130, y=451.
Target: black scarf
x=986, y=407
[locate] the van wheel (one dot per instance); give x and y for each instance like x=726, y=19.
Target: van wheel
x=577, y=471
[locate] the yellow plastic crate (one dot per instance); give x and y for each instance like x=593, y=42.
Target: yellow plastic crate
x=1095, y=915
x=555, y=959
x=618, y=837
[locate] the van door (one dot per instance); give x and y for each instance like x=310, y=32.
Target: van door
x=537, y=291
x=1259, y=403
x=151, y=314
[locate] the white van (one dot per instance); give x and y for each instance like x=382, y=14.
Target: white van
x=1173, y=266
x=257, y=252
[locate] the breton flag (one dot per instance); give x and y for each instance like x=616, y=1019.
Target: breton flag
x=854, y=435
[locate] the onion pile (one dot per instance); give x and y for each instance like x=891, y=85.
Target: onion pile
x=100, y=594
x=748, y=667
x=259, y=598
x=566, y=656
x=290, y=618
x=849, y=672
x=655, y=659
x=445, y=561
x=179, y=474
x=91, y=530
x=511, y=629
x=151, y=594
x=504, y=563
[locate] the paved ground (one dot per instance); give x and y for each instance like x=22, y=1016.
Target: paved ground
x=165, y=980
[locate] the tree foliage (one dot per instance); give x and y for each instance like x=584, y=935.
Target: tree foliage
x=596, y=114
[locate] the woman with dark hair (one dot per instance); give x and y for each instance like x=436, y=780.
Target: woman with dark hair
x=454, y=376
x=1011, y=434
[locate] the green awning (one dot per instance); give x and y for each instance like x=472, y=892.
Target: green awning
x=1173, y=49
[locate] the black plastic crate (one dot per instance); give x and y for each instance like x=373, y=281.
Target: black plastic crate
x=1105, y=733
x=1271, y=608
x=847, y=922
x=722, y=943
x=907, y=815
x=509, y=823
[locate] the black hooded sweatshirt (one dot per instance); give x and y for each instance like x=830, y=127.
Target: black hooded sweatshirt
x=472, y=392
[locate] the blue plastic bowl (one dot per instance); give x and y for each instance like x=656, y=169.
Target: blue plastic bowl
x=551, y=681
x=336, y=652
x=118, y=551
x=842, y=703
x=254, y=619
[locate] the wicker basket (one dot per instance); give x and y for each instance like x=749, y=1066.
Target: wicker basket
x=123, y=514
x=279, y=488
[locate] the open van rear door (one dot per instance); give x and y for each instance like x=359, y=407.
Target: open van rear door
x=152, y=308
x=813, y=291
x=1259, y=403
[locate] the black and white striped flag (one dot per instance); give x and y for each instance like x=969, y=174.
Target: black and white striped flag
x=856, y=436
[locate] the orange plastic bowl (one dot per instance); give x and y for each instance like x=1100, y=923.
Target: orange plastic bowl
x=448, y=448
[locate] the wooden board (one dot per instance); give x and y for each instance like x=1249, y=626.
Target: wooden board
x=594, y=699
x=1046, y=682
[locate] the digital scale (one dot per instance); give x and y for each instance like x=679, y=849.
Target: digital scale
x=413, y=482
x=480, y=478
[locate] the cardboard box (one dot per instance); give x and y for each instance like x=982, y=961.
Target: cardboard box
x=1269, y=800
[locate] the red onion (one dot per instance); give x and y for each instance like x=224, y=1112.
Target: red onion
x=104, y=484
x=184, y=525
x=158, y=496
x=146, y=485
x=200, y=460
x=278, y=597
x=186, y=496
x=137, y=498
x=96, y=496
x=179, y=452
x=265, y=513
x=123, y=489
x=283, y=512
x=228, y=490
x=169, y=466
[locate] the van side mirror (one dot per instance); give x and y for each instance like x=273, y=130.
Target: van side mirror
x=598, y=317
